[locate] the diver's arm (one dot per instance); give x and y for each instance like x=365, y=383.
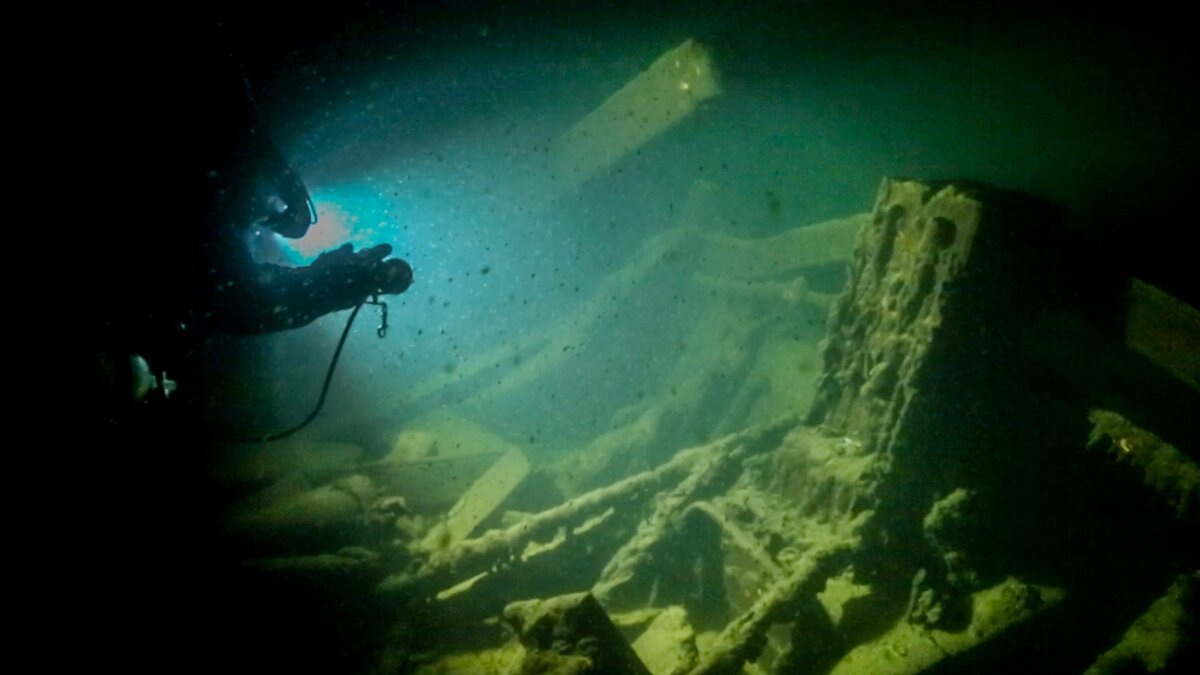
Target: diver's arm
x=276, y=298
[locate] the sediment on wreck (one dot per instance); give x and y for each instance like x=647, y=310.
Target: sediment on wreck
x=912, y=516
x=873, y=476
x=922, y=356
x=940, y=360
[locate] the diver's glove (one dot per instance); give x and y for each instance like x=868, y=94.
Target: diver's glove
x=276, y=298
x=366, y=272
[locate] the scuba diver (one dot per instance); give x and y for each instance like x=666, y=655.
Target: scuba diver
x=157, y=172
x=179, y=268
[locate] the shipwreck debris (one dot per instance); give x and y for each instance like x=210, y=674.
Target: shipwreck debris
x=1164, y=636
x=910, y=648
x=666, y=93
x=497, y=549
x=479, y=501
x=1165, y=469
x=571, y=634
x=852, y=538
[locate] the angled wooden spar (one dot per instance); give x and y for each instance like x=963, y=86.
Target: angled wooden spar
x=1165, y=330
x=660, y=97
x=479, y=501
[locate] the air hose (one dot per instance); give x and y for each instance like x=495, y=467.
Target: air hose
x=337, y=353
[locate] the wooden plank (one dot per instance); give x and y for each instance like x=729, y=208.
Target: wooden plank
x=657, y=99
x=1164, y=330
x=480, y=500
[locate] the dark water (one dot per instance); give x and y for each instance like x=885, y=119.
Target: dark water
x=419, y=124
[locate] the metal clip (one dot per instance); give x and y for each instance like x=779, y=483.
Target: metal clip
x=381, y=331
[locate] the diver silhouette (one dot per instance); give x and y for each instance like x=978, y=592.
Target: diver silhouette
x=172, y=264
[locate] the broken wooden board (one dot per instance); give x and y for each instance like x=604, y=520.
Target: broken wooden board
x=1164, y=330
x=1166, y=470
x=1160, y=638
x=435, y=459
x=659, y=98
x=479, y=501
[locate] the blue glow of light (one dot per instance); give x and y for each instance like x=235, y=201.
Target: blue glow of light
x=346, y=214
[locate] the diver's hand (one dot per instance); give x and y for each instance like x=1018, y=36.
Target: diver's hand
x=367, y=270
x=386, y=276
x=342, y=255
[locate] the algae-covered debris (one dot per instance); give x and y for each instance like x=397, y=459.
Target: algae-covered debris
x=571, y=633
x=1165, y=469
x=912, y=648
x=504, y=660
x=1155, y=640
x=785, y=546
x=668, y=645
